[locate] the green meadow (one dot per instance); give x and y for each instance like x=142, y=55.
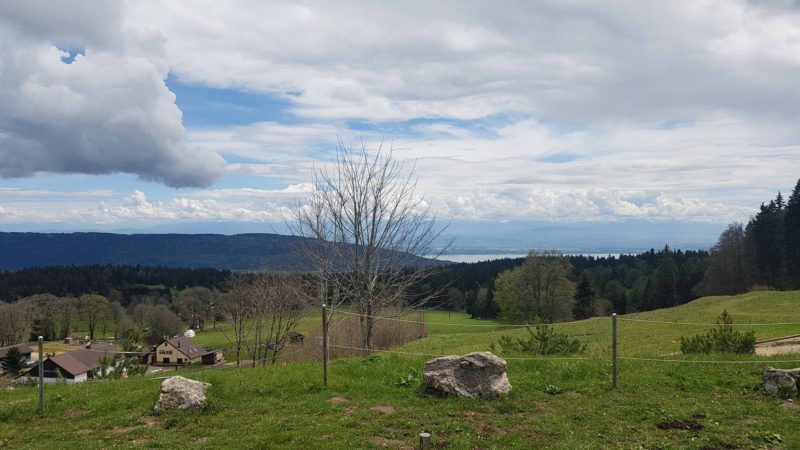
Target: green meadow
x=554, y=402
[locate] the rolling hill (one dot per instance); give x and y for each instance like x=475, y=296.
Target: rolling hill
x=236, y=252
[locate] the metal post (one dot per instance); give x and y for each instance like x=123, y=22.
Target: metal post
x=41, y=375
x=324, y=344
x=614, y=350
x=424, y=441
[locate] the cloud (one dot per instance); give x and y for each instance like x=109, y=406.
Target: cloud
x=106, y=111
x=575, y=62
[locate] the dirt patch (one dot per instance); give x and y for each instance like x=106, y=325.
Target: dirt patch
x=791, y=405
x=386, y=410
x=200, y=440
x=74, y=412
x=116, y=431
x=572, y=394
x=488, y=431
x=148, y=421
x=747, y=421
x=480, y=421
x=338, y=400
x=140, y=440
x=783, y=346
x=349, y=411
x=530, y=433
x=85, y=431
x=391, y=443
x=680, y=425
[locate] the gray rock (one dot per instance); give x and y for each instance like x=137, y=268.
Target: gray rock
x=783, y=381
x=181, y=393
x=475, y=375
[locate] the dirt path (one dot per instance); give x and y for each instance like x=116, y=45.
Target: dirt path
x=782, y=346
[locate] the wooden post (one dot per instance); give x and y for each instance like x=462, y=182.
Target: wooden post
x=324, y=344
x=41, y=375
x=614, y=350
x=424, y=441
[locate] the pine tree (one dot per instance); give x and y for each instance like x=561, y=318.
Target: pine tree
x=585, y=294
x=766, y=232
x=14, y=362
x=792, y=236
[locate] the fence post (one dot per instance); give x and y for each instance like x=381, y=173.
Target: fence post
x=614, y=350
x=324, y=344
x=41, y=375
x=424, y=441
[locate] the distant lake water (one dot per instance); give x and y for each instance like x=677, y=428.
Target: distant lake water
x=490, y=257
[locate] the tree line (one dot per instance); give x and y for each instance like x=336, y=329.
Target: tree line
x=764, y=254
x=623, y=283
x=127, y=281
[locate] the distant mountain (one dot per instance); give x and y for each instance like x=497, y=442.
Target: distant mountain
x=237, y=252
x=276, y=252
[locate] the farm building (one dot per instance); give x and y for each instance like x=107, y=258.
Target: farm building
x=179, y=351
x=74, y=367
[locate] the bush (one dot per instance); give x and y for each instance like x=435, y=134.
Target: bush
x=722, y=339
x=542, y=340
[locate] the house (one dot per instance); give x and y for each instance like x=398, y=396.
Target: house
x=25, y=349
x=179, y=351
x=74, y=367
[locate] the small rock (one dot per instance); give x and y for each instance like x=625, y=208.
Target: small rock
x=780, y=381
x=181, y=393
x=475, y=375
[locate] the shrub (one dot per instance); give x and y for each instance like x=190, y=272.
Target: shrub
x=721, y=339
x=542, y=340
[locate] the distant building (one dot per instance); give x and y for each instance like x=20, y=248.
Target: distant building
x=181, y=351
x=73, y=367
x=25, y=349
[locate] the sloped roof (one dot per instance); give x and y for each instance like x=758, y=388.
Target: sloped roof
x=79, y=361
x=187, y=347
x=102, y=346
x=23, y=348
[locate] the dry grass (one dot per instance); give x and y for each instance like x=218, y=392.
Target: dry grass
x=346, y=332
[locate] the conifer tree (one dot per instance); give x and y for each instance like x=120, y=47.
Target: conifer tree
x=792, y=236
x=585, y=294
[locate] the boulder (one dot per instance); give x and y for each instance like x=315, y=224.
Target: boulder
x=475, y=375
x=780, y=381
x=181, y=393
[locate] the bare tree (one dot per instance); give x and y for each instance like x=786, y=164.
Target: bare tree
x=194, y=304
x=94, y=308
x=14, y=323
x=279, y=303
x=162, y=323
x=368, y=232
x=237, y=307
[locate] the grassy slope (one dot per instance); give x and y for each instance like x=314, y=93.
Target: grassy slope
x=287, y=407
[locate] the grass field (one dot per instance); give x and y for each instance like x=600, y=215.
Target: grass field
x=553, y=404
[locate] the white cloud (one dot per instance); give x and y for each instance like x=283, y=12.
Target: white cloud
x=571, y=61
x=107, y=111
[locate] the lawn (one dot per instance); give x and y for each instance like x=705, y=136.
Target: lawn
x=554, y=403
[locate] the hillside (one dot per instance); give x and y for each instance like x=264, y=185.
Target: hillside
x=554, y=403
x=236, y=252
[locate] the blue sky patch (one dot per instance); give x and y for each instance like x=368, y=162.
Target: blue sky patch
x=205, y=106
x=73, y=53
x=559, y=158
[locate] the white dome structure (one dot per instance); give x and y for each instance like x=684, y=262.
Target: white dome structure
x=189, y=333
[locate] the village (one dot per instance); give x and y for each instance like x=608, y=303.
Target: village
x=79, y=359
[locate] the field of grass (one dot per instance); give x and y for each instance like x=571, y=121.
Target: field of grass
x=553, y=403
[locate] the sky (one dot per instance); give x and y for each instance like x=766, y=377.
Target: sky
x=164, y=115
